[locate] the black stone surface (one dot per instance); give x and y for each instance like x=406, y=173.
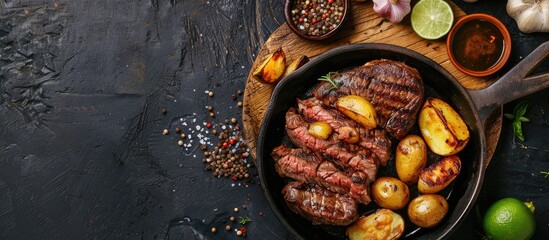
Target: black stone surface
x=81, y=150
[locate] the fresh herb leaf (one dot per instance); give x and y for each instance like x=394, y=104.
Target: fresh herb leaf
x=545, y=173
x=518, y=118
x=244, y=220
x=328, y=78
x=509, y=116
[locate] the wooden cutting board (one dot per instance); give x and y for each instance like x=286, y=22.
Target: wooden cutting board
x=364, y=26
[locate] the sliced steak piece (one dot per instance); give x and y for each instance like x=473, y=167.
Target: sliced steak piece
x=319, y=205
x=347, y=155
x=394, y=88
x=310, y=168
x=374, y=140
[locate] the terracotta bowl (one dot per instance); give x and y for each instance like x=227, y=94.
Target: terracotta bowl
x=288, y=16
x=476, y=46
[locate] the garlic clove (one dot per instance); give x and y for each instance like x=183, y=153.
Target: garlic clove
x=393, y=10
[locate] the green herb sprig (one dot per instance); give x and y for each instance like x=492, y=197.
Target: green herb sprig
x=546, y=173
x=328, y=78
x=244, y=220
x=518, y=118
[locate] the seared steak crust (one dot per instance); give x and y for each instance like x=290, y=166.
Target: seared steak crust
x=309, y=168
x=395, y=90
x=347, y=155
x=374, y=140
x=319, y=205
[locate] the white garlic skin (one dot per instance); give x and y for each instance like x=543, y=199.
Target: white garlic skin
x=393, y=10
x=530, y=15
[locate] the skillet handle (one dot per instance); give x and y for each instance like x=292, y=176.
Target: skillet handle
x=514, y=84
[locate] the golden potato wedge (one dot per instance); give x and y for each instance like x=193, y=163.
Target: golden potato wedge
x=348, y=134
x=427, y=210
x=443, y=129
x=411, y=157
x=320, y=130
x=391, y=193
x=296, y=64
x=439, y=175
x=272, y=69
x=383, y=224
x=358, y=109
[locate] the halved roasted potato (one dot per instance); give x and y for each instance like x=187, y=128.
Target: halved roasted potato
x=272, y=69
x=296, y=64
x=358, y=109
x=411, y=157
x=439, y=175
x=383, y=224
x=443, y=129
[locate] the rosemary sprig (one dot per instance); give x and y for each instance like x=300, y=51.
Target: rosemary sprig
x=328, y=78
x=244, y=220
x=546, y=173
x=518, y=118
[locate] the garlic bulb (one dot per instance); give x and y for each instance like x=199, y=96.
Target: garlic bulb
x=393, y=10
x=530, y=15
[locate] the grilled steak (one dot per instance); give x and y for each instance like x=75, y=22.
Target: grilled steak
x=319, y=205
x=306, y=167
x=374, y=140
x=395, y=90
x=347, y=155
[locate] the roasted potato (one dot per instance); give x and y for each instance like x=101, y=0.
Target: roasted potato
x=348, y=134
x=427, y=210
x=391, y=193
x=358, y=109
x=272, y=69
x=320, y=130
x=383, y=224
x=443, y=129
x=411, y=157
x=439, y=175
x=296, y=64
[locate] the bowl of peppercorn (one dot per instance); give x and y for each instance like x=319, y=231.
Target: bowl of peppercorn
x=316, y=19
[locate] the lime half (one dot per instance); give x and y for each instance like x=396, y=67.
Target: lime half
x=432, y=19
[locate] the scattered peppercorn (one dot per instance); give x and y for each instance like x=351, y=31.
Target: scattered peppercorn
x=316, y=17
x=163, y=111
x=177, y=130
x=180, y=143
x=239, y=104
x=165, y=132
x=233, y=120
x=210, y=93
x=214, y=229
x=239, y=233
x=212, y=114
x=183, y=136
x=235, y=209
x=214, y=132
x=232, y=219
x=239, y=92
x=228, y=227
x=210, y=108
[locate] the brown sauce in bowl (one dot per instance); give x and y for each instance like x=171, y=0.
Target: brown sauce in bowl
x=478, y=45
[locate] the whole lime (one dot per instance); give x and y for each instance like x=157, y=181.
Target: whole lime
x=509, y=218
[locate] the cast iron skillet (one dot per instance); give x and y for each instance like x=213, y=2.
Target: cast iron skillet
x=474, y=107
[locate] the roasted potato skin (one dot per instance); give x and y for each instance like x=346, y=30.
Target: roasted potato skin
x=272, y=69
x=411, y=157
x=427, y=210
x=439, y=175
x=442, y=127
x=383, y=224
x=358, y=109
x=391, y=193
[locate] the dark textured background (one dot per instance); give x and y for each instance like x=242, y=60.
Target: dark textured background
x=81, y=150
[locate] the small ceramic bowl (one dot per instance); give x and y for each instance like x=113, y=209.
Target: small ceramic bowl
x=289, y=6
x=478, y=45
